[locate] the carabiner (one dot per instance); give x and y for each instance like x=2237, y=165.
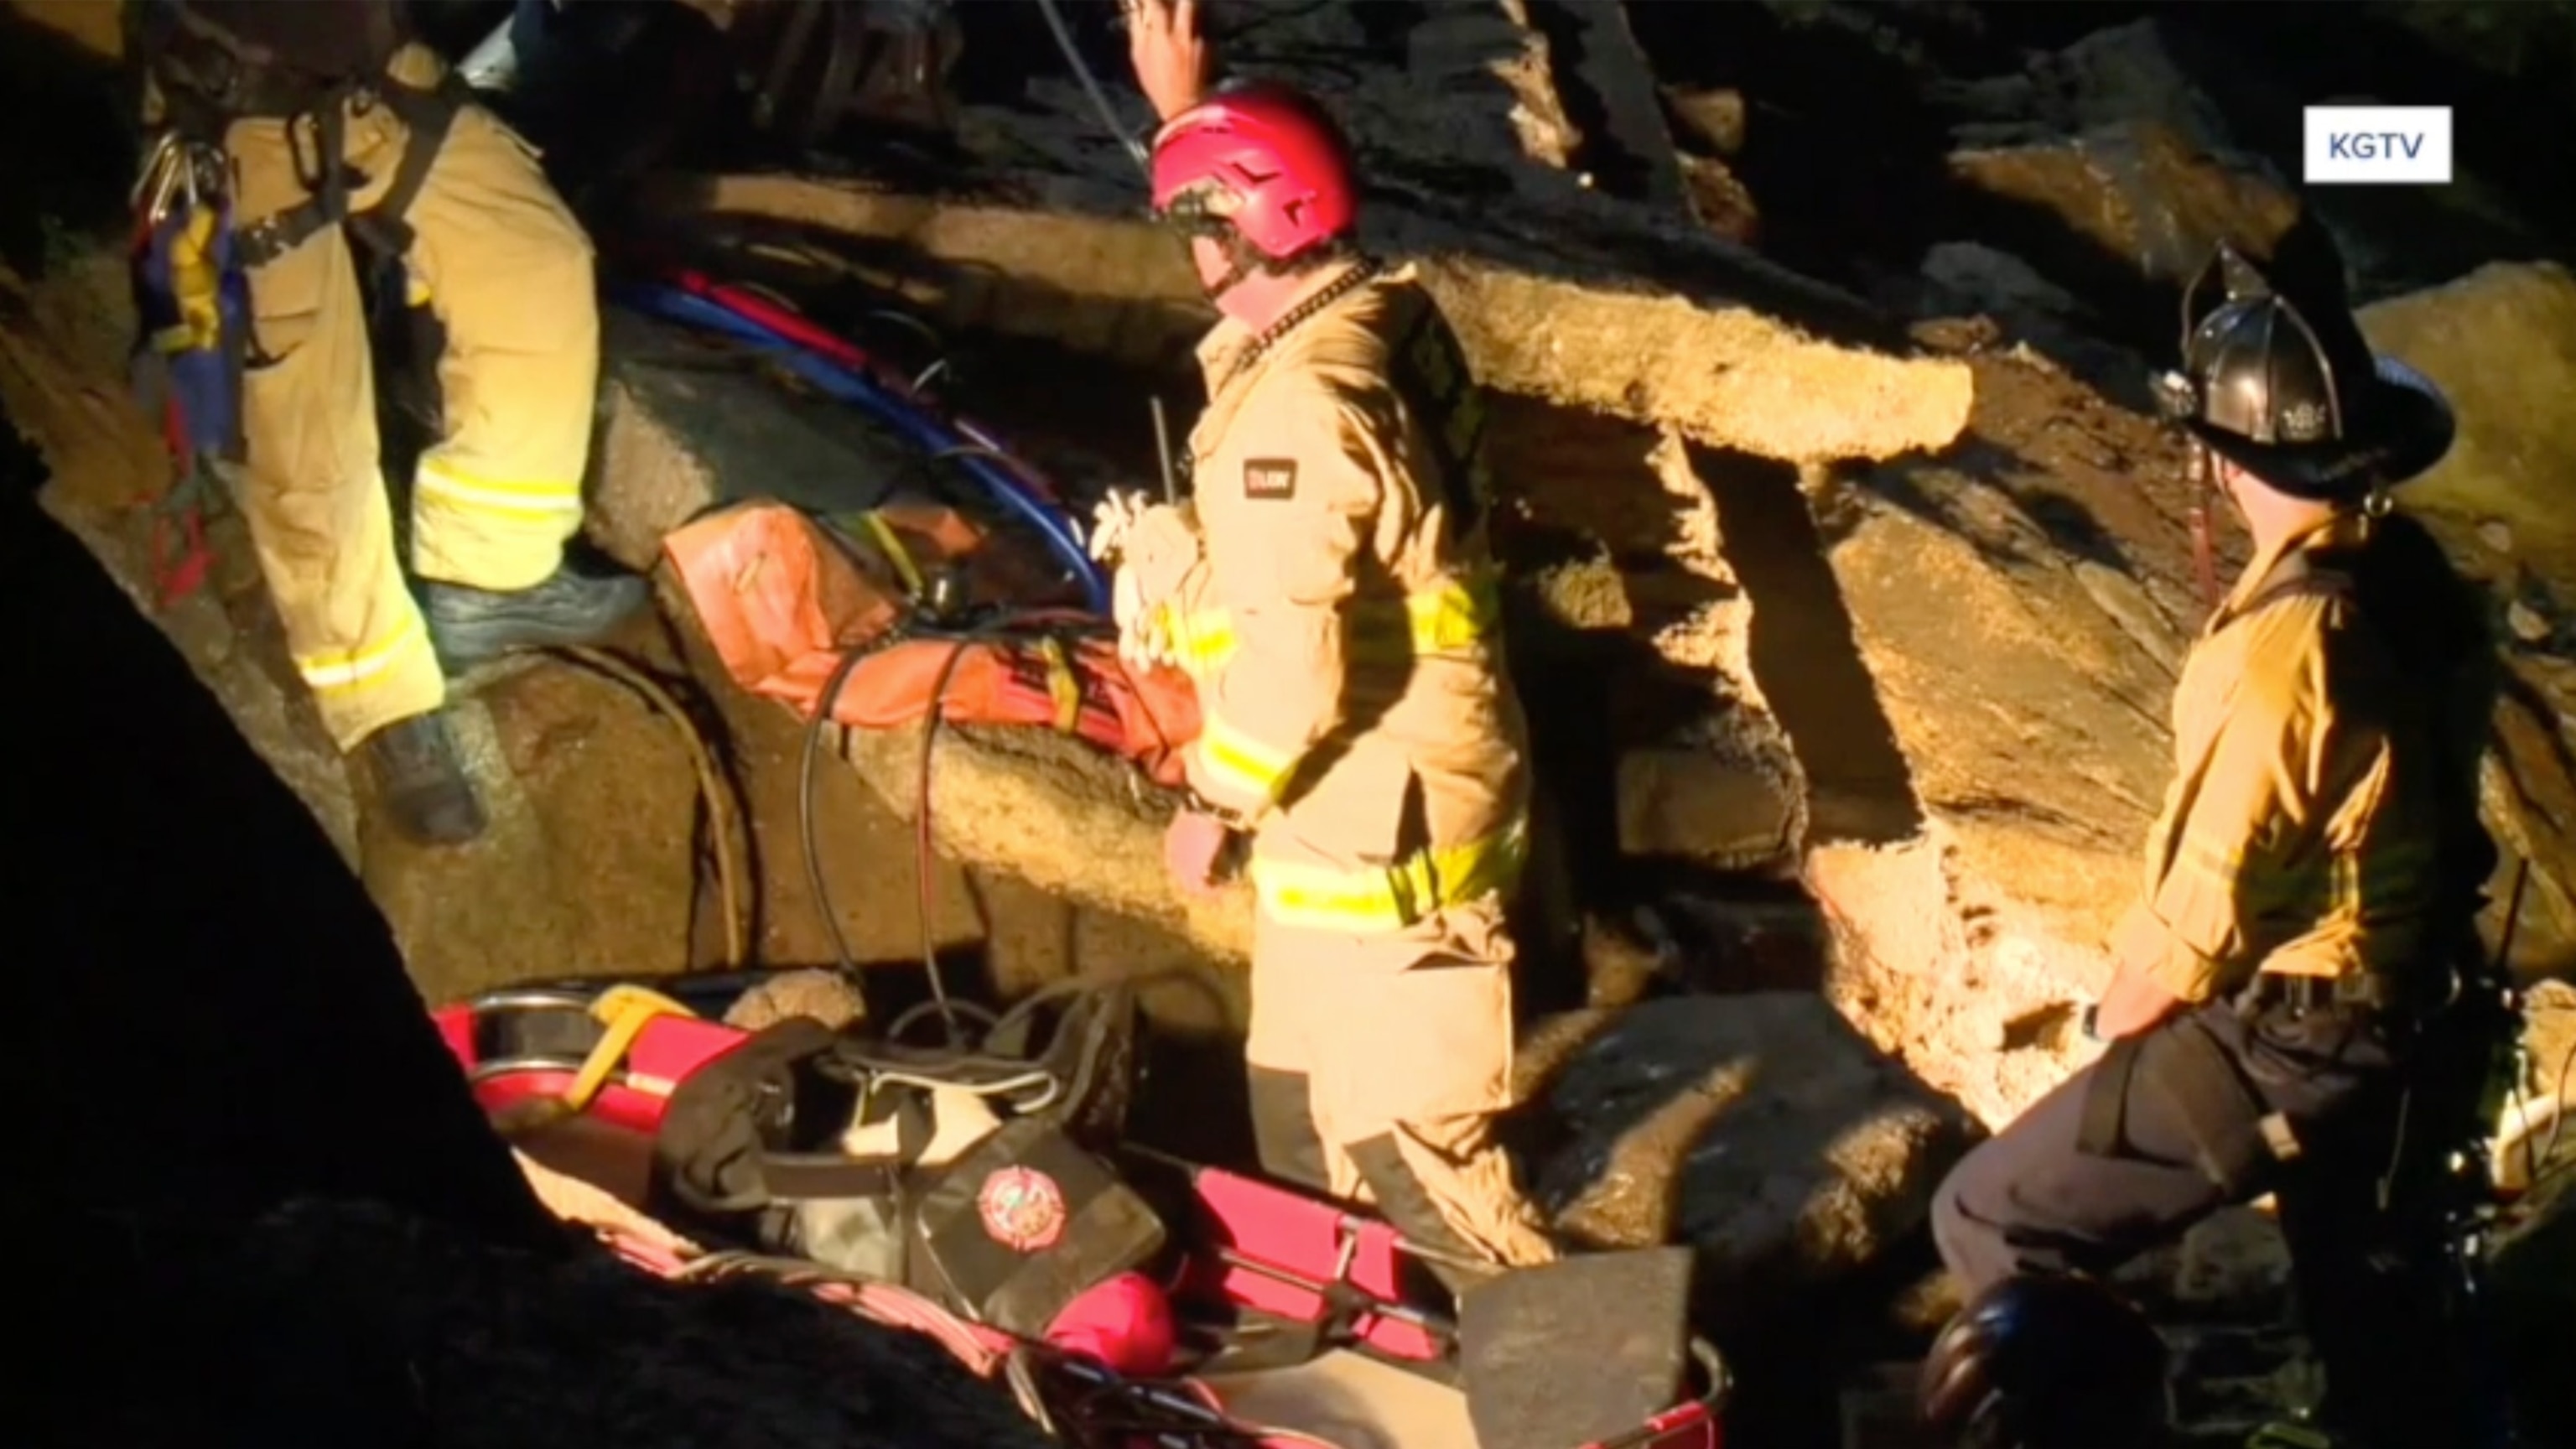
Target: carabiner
x=154, y=161
x=165, y=185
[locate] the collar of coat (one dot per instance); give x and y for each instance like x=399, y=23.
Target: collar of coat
x=1217, y=350
x=2289, y=557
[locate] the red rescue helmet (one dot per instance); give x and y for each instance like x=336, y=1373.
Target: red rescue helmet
x=1261, y=159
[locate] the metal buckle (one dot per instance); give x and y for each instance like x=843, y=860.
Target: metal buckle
x=2177, y=396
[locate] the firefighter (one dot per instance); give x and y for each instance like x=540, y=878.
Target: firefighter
x=2310, y=892
x=339, y=127
x=1330, y=593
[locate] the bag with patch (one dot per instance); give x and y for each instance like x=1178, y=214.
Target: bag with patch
x=1023, y=1224
x=889, y=1162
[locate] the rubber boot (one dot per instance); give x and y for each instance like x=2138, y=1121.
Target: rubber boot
x=475, y=626
x=1441, y=1254
x=423, y=782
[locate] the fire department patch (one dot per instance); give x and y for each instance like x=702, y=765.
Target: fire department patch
x=1274, y=478
x=1023, y=1209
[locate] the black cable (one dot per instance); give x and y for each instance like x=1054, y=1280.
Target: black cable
x=1057, y=623
x=921, y=843
x=815, y=881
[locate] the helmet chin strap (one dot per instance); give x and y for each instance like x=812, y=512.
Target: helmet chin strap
x=1236, y=273
x=2204, y=543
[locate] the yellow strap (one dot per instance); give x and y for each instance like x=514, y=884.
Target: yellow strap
x=896, y=554
x=1370, y=902
x=195, y=286
x=1062, y=686
x=624, y=1010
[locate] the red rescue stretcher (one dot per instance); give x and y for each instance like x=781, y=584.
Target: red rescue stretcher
x=1246, y=1255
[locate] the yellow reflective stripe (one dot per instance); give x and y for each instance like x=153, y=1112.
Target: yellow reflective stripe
x=1202, y=640
x=437, y=478
x=1240, y=764
x=1368, y=902
x=1452, y=617
x=1455, y=616
x=330, y=673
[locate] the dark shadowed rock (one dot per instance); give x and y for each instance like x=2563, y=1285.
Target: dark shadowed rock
x=2501, y=343
x=1707, y=121
x=379, y=1327
x=1720, y=201
x=1760, y=1129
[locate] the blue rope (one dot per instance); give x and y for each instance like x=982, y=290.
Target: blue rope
x=921, y=430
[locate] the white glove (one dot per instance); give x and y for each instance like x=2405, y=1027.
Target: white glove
x=1155, y=545
x=1112, y=518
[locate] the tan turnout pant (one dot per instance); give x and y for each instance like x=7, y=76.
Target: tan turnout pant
x=508, y=272
x=1403, y=1042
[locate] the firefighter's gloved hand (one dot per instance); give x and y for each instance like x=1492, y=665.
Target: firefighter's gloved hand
x=1129, y=527
x=1111, y=518
x=1154, y=545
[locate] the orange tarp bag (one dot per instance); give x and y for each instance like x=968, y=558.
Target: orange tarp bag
x=783, y=599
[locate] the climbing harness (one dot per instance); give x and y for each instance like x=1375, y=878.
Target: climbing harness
x=193, y=304
x=427, y=113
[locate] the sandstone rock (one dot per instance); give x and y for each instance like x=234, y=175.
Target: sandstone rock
x=1969, y=277
x=2141, y=193
x=2528, y=624
x=1720, y=201
x=2496, y=535
x=1686, y=802
x=1758, y=1128
x=2501, y=342
x=1722, y=371
x=1708, y=120
x=2030, y=717
x=1970, y=988
x=829, y=997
